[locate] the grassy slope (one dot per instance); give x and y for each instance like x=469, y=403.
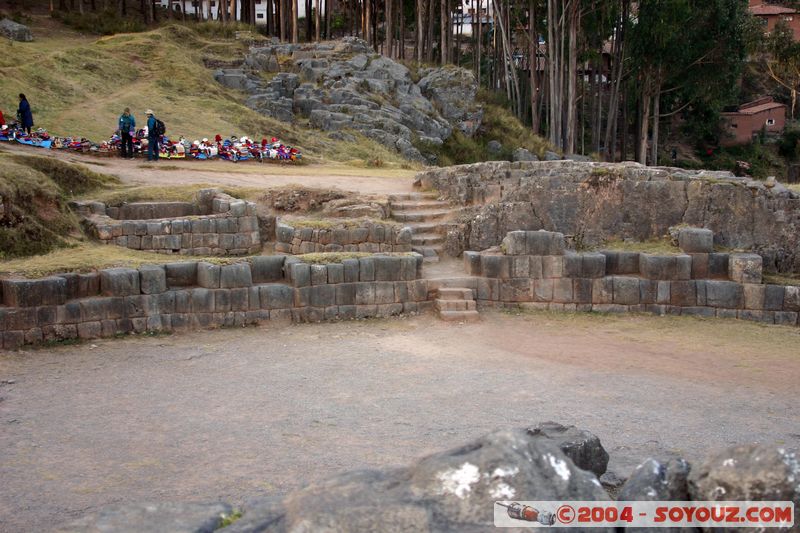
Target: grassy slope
x=78, y=85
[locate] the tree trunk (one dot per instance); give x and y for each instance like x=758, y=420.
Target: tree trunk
x=479, y=43
x=389, y=39
x=317, y=17
x=420, y=30
x=443, y=31
x=644, y=122
x=572, y=77
x=533, y=65
x=656, y=120
x=294, y=21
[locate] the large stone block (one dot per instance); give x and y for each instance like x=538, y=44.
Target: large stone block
x=88, y=285
x=621, y=263
x=683, y=293
x=593, y=265
x=515, y=243
x=152, y=279
x=365, y=293
x=267, y=268
x=384, y=292
x=300, y=274
x=552, y=266
x=582, y=290
x=408, y=268
x=472, y=263
x=335, y=273
x=791, y=298
x=727, y=294
x=322, y=296
x=202, y=301
x=545, y=243
x=572, y=265
x=235, y=276
x=32, y=293
x=275, y=296
x=346, y=294
x=496, y=266
x=387, y=268
x=718, y=265
x=665, y=267
x=208, y=275
x=773, y=297
x=520, y=266
x=648, y=291
x=603, y=290
x=626, y=290
x=562, y=290
x=119, y=282
x=489, y=289
x=319, y=275
x=366, y=269
x=351, y=270
x=745, y=268
x=754, y=295
x=222, y=300
x=543, y=289
x=696, y=240
x=700, y=266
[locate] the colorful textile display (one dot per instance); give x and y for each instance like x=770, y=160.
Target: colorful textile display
x=233, y=149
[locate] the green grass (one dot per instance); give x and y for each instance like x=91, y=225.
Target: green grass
x=78, y=86
x=328, y=223
x=35, y=192
x=653, y=246
x=782, y=279
x=498, y=124
x=82, y=256
x=324, y=258
x=171, y=193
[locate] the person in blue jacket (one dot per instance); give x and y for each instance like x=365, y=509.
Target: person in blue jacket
x=127, y=127
x=152, y=137
x=24, y=114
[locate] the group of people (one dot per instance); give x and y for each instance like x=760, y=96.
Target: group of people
x=24, y=116
x=150, y=139
x=153, y=140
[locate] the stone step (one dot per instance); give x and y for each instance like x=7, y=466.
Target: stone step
x=429, y=254
x=423, y=227
x=455, y=293
x=420, y=216
x=456, y=305
x=426, y=239
x=418, y=205
x=411, y=196
x=459, y=316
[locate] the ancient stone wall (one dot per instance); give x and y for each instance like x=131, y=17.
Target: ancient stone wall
x=216, y=224
x=365, y=236
x=536, y=271
x=594, y=202
x=193, y=295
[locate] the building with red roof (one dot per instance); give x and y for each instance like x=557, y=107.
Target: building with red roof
x=744, y=125
x=772, y=14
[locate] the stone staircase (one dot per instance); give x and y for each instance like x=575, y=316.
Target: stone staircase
x=424, y=214
x=456, y=305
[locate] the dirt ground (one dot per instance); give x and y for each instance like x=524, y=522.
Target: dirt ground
x=245, y=174
x=232, y=414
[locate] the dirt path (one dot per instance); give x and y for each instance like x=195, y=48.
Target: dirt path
x=246, y=174
x=232, y=414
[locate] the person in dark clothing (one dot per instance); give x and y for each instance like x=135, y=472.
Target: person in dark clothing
x=152, y=138
x=127, y=127
x=24, y=114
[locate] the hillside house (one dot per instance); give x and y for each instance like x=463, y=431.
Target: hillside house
x=771, y=14
x=744, y=125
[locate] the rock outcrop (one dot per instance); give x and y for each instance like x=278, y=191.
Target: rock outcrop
x=344, y=85
x=15, y=31
x=455, y=491
x=594, y=202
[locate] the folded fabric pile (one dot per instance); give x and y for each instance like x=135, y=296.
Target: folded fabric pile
x=14, y=132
